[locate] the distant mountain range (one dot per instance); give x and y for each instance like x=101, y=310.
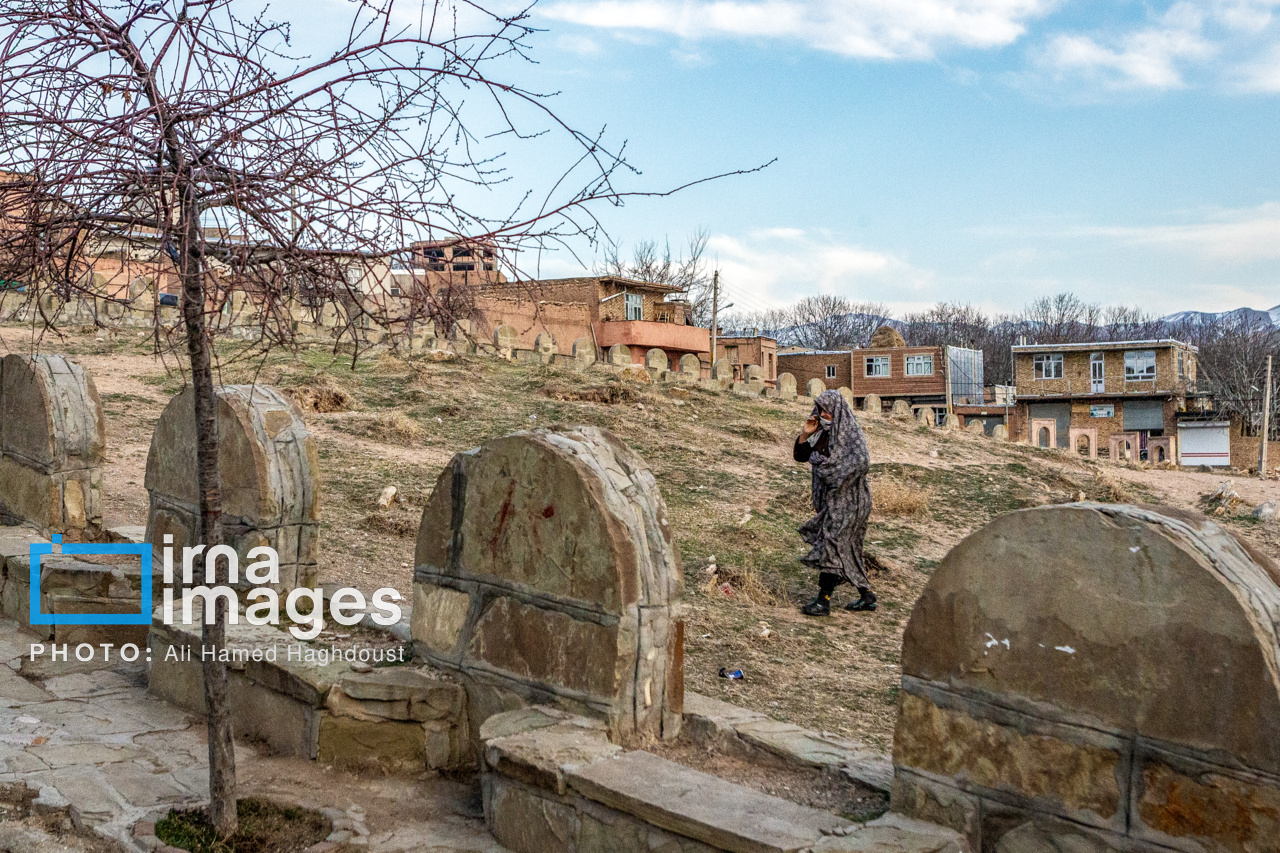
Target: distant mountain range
x=1272, y=316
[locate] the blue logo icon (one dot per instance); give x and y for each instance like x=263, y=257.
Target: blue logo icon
x=143, y=617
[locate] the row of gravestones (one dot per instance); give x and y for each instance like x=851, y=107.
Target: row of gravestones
x=52, y=447
x=873, y=406
x=1086, y=677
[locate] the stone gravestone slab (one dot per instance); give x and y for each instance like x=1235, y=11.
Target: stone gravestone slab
x=505, y=341
x=815, y=388
x=51, y=445
x=1100, y=677
x=584, y=353
x=268, y=463
x=901, y=409
x=619, y=355
x=786, y=386
x=691, y=365
x=547, y=572
x=871, y=404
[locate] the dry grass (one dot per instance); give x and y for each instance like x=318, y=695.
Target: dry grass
x=895, y=498
x=742, y=584
x=610, y=394
x=389, y=427
x=1112, y=489
x=320, y=393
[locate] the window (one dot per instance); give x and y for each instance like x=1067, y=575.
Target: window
x=877, y=365
x=464, y=267
x=1048, y=366
x=635, y=306
x=919, y=365
x=395, y=290
x=1182, y=365
x=831, y=371
x=1139, y=365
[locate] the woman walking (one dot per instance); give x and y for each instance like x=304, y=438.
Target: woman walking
x=832, y=443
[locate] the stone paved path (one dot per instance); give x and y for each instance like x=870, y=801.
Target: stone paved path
x=96, y=740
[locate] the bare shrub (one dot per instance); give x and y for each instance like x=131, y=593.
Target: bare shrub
x=745, y=585
x=892, y=497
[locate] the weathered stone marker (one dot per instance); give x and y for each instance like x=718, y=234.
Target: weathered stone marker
x=786, y=386
x=619, y=355
x=584, y=353
x=1095, y=677
x=815, y=387
x=547, y=572
x=268, y=463
x=901, y=409
x=51, y=445
x=871, y=404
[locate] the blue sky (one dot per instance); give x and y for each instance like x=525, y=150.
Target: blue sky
x=983, y=151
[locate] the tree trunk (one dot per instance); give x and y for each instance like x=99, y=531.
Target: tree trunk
x=222, y=758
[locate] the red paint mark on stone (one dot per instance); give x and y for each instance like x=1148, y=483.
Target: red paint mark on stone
x=548, y=512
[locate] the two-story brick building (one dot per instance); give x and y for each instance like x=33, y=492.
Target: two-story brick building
x=1082, y=396
x=923, y=376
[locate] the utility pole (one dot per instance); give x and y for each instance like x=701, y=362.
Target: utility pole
x=1266, y=424
x=715, y=312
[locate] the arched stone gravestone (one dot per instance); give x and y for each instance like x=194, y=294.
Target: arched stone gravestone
x=722, y=371
x=584, y=353
x=974, y=426
x=871, y=404
x=952, y=422
x=547, y=572
x=268, y=464
x=847, y=395
x=786, y=386
x=1001, y=432
x=619, y=355
x=1098, y=676
x=901, y=409
x=655, y=361
x=815, y=388
x=925, y=416
x=691, y=365
x=51, y=445
x=505, y=341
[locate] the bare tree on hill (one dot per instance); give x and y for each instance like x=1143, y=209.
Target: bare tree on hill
x=828, y=322
x=193, y=134
x=686, y=270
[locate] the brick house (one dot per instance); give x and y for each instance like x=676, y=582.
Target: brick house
x=1082, y=396
x=923, y=376
x=640, y=315
x=744, y=350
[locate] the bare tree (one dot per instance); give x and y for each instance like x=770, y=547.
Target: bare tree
x=833, y=322
x=189, y=137
x=1062, y=319
x=1232, y=357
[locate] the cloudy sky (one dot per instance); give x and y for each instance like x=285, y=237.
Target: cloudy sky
x=983, y=151
x=987, y=151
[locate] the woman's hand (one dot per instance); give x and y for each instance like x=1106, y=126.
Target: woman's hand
x=810, y=427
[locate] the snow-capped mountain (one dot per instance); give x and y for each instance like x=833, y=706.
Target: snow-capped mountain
x=1272, y=316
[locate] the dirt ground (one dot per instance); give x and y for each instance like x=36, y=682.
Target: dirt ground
x=723, y=463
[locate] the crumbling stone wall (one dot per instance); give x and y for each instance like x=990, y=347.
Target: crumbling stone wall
x=1095, y=677
x=51, y=445
x=270, y=490
x=547, y=572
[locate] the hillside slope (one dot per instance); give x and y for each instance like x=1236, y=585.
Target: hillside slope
x=724, y=465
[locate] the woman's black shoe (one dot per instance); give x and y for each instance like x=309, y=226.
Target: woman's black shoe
x=818, y=607
x=866, y=602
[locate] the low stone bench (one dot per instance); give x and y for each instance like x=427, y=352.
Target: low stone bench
x=70, y=586
x=759, y=737
x=553, y=782
x=393, y=719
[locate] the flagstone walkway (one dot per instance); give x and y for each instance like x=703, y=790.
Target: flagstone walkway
x=96, y=741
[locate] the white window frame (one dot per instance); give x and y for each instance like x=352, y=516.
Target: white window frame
x=831, y=371
x=1047, y=365
x=1140, y=365
x=914, y=363
x=877, y=361
x=633, y=304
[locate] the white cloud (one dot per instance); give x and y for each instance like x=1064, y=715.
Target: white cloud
x=1236, y=237
x=879, y=29
x=1148, y=57
x=773, y=267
